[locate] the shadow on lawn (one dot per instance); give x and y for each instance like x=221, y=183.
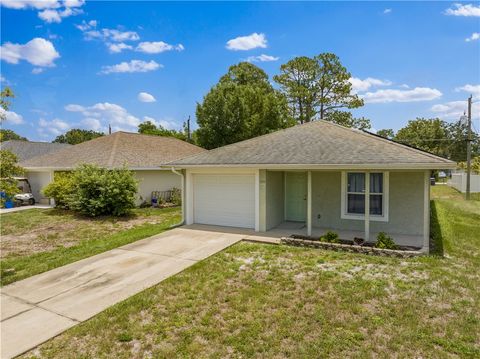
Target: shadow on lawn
x=436, y=237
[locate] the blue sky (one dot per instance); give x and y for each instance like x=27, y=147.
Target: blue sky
x=84, y=64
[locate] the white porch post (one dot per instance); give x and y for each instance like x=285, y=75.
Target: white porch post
x=426, y=213
x=309, y=203
x=367, y=206
x=257, y=200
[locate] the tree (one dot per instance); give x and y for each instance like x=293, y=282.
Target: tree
x=5, y=103
x=76, y=136
x=458, y=134
x=298, y=80
x=242, y=105
x=149, y=128
x=430, y=135
x=317, y=86
x=387, y=133
x=346, y=119
x=7, y=135
x=8, y=169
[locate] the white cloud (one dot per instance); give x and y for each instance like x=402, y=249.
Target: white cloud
x=11, y=117
x=38, y=52
x=52, y=10
x=117, y=35
x=453, y=110
x=93, y=124
x=475, y=36
x=247, y=42
x=394, y=95
x=463, y=10
x=472, y=89
x=359, y=85
x=54, y=127
x=157, y=47
x=106, y=113
x=37, y=70
x=145, y=97
x=132, y=66
x=166, y=123
x=3, y=79
x=84, y=26
x=261, y=58
x=387, y=11
x=90, y=32
x=116, y=48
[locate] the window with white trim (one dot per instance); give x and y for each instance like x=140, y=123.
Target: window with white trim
x=353, y=195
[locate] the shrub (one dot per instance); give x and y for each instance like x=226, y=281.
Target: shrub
x=385, y=242
x=60, y=189
x=8, y=169
x=100, y=191
x=330, y=237
x=176, y=197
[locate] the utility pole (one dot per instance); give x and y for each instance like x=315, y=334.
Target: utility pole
x=188, y=129
x=469, y=145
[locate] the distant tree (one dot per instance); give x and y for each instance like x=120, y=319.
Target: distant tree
x=8, y=169
x=5, y=95
x=76, y=136
x=387, y=133
x=242, y=105
x=430, y=135
x=458, y=134
x=346, y=119
x=149, y=128
x=7, y=135
x=317, y=87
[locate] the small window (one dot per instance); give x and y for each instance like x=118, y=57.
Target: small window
x=355, y=194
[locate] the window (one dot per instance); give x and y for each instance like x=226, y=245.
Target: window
x=353, y=195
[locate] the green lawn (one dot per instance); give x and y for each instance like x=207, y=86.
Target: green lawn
x=255, y=300
x=36, y=240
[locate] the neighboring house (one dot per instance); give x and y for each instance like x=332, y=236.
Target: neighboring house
x=25, y=150
x=311, y=178
x=143, y=154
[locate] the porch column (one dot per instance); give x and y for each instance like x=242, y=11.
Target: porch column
x=426, y=212
x=309, y=203
x=367, y=206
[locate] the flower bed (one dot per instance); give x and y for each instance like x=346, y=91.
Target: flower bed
x=348, y=246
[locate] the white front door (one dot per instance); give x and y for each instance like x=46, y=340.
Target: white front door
x=224, y=199
x=296, y=196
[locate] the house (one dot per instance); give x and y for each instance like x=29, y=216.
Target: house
x=25, y=150
x=311, y=178
x=143, y=154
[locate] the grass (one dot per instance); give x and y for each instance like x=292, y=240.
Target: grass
x=255, y=300
x=62, y=238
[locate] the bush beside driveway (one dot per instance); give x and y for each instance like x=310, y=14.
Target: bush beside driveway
x=255, y=300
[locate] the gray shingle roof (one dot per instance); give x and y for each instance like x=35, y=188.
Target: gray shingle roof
x=115, y=150
x=27, y=149
x=316, y=143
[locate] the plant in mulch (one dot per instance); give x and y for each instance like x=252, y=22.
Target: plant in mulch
x=330, y=237
x=358, y=241
x=176, y=197
x=385, y=242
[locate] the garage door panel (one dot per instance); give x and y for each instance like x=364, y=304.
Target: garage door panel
x=225, y=200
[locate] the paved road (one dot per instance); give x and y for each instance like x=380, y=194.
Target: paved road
x=38, y=308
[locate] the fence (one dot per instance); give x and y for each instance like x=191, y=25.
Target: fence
x=459, y=182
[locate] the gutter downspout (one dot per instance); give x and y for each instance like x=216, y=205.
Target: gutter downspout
x=183, y=196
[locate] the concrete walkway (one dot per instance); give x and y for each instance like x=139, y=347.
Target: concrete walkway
x=23, y=208
x=38, y=308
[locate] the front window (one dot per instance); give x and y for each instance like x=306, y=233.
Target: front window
x=356, y=193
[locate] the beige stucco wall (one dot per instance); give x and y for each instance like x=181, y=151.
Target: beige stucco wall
x=275, y=210
x=38, y=180
x=156, y=180
x=405, y=204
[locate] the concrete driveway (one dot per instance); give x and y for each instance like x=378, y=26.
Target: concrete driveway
x=38, y=308
x=24, y=208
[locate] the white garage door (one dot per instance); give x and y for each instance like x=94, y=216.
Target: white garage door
x=224, y=200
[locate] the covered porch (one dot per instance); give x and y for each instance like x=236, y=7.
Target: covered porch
x=312, y=202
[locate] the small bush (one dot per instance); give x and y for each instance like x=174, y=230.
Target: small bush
x=385, y=242
x=330, y=237
x=176, y=196
x=100, y=191
x=60, y=189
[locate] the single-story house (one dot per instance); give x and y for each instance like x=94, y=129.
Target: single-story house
x=143, y=154
x=314, y=177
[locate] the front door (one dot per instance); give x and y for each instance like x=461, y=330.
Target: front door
x=296, y=196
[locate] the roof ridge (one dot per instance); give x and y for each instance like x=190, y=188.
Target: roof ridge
x=387, y=140
x=116, y=137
